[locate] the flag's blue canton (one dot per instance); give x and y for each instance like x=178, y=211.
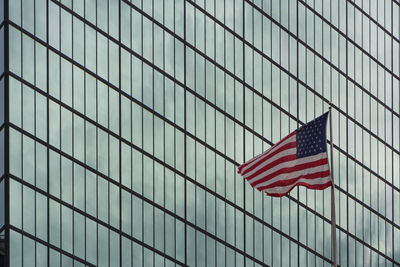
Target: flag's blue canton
x=311, y=138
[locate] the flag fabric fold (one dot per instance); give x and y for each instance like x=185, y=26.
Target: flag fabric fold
x=298, y=159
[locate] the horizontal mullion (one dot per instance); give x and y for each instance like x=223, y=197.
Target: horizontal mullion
x=96, y=75
x=140, y=103
x=283, y=69
x=368, y=208
x=232, y=161
x=166, y=75
x=260, y=220
x=373, y=20
x=184, y=131
x=239, y=80
x=2, y=178
x=181, y=129
x=49, y=245
x=115, y=135
x=91, y=217
x=273, y=62
x=171, y=168
x=145, y=199
x=396, y=2
x=350, y=40
x=175, y=215
x=324, y=59
x=191, y=47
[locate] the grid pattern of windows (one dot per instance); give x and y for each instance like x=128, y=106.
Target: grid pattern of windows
x=125, y=120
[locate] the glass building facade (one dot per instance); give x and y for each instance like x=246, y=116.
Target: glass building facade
x=122, y=124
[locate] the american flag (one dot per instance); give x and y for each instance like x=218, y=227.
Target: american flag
x=298, y=159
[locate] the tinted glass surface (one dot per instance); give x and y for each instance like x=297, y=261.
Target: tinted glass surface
x=128, y=120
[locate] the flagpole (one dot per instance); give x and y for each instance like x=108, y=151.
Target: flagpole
x=333, y=217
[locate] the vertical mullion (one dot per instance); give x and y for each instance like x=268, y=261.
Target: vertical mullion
x=262, y=130
x=306, y=118
x=73, y=135
x=6, y=135
x=347, y=145
x=280, y=115
x=362, y=144
x=252, y=111
x=369, y=102
x=316, y=196
x=347, y=133
x=153, y=128
x=330, y=101
x=314, y=192
x=271, y=202
x=22, y=126
x=195, y=130
x=289, y=108
x=322, y=81
x=385, y=130
x=298, y=124
x=120, y=132
x=392, y=141
x=244, y=132
x=34, y=125
x=108, y=137
x=47, y=132
x=60, y=125
x=174, y=68
x=84, y=130
x=142, y=131
x=370, y=153
x=205, y=135
x=185, y=127
x=224, y=131
x=234, y=127
x=21, y=157
x=131, y=130
x=163, y=124
x=97, y=119
x=215, y=131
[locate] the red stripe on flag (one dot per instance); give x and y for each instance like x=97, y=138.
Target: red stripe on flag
x=291, y=169
x=266, y=152
x=279, y=183
x=273, y=164
x=268, y=156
